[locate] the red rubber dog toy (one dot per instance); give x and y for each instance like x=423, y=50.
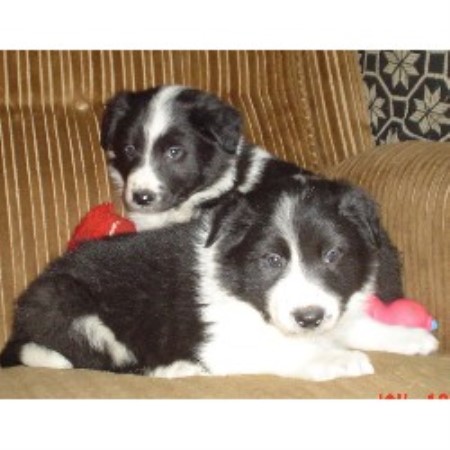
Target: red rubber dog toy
x=402, y=311
x=99, y=222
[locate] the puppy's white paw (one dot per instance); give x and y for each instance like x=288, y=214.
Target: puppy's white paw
x=338, y=363
x=414, y=341
x=178, y=369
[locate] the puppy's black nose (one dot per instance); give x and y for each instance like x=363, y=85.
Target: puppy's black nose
x=309, y=317
x=143, y=197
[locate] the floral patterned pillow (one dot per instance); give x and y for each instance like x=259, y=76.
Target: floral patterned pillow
x=408, y=94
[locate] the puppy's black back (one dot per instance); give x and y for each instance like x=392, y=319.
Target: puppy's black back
x=135, y=284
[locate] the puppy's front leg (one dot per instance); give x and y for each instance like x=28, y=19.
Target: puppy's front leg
x=321, y=361
x=336, y=363
x=364, y=333
x=285, y=356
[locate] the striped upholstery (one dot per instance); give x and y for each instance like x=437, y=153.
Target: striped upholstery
x=296, y=103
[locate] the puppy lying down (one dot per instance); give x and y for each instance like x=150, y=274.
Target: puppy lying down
x=270, y=283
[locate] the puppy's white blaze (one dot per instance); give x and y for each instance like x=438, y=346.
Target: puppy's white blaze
x=284, y=218
x=158, y=121
x=258, y=162
x=159, y=114
x=102, y=339
x=34, y=355
x=297, y=288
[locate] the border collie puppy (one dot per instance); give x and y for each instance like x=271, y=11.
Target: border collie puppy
x=273, y=282
x=171, y=149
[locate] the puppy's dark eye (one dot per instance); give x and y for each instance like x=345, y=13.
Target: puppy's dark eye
x=331, y=256
x=174, y=153
x=274, y=261
x=130, y=151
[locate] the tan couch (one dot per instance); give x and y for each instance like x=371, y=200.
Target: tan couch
x=307, y=107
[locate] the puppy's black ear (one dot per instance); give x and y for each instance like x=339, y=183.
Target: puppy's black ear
x=224, y=125
x=115, y=109
x=214, y=119
x=232, y=216
x=358, y=207
x=363, y=211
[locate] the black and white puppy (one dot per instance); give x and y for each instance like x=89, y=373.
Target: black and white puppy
x=273, y=282
x=171, y=149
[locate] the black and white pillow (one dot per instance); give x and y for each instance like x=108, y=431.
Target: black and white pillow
x=408, y=94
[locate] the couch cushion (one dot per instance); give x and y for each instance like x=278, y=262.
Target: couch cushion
x=417, y=377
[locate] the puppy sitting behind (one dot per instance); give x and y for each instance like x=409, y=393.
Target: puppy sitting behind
x=173, y=149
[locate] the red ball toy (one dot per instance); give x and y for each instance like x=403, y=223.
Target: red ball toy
x=99, y=222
